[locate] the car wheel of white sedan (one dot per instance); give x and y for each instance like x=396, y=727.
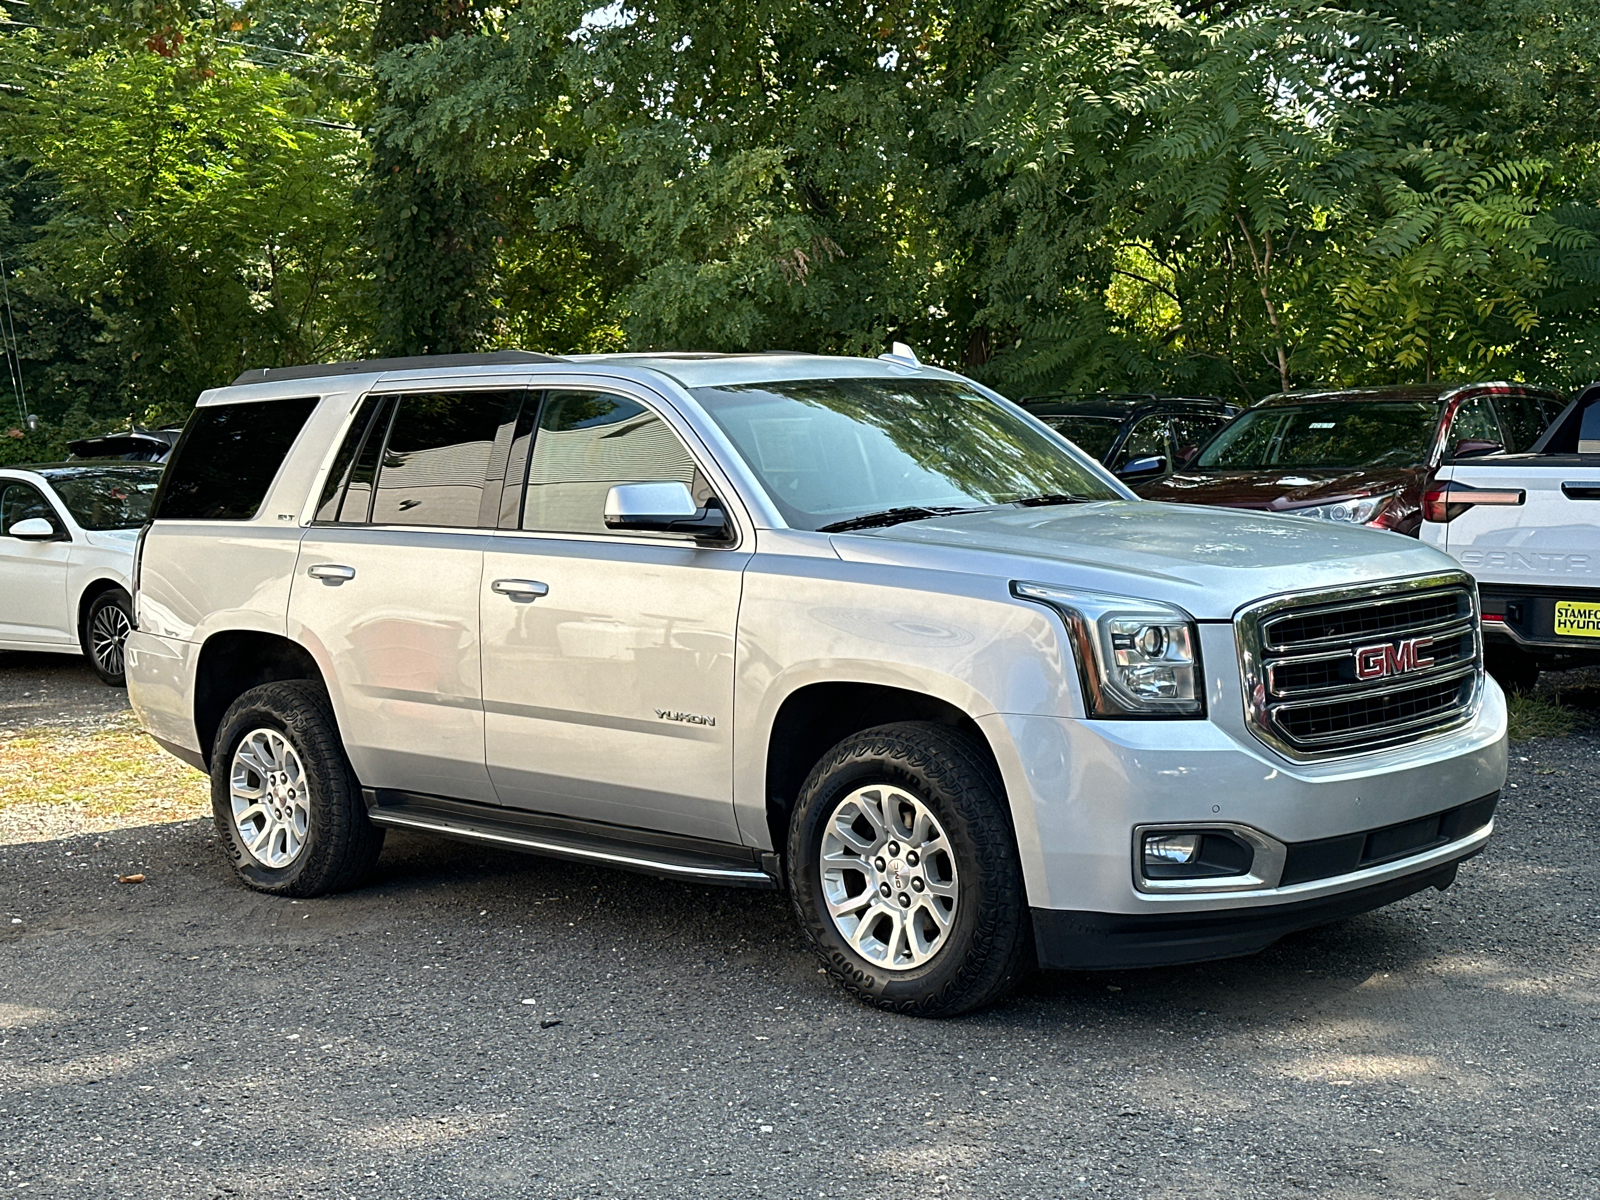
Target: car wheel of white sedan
x=105, y=633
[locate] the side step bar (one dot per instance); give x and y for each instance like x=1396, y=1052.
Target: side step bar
x=645, y=850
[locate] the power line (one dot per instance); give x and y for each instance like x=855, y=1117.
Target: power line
x=8, y=334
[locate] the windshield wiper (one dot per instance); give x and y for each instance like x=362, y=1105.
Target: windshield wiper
x=889, y=516
x=1050, y=498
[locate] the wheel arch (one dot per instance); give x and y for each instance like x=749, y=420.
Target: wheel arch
x=234, y=661
x=92, y=591
x=817, y=716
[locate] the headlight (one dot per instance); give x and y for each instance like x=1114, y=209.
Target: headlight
x=1137, y=658
x=1360, y=511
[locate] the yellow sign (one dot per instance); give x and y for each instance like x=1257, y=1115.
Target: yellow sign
x=1576, y=619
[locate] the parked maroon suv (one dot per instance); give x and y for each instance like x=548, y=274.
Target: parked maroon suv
x=1360, y=456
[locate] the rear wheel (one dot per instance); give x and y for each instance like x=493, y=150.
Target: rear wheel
x=1514, y=670
x=904, y=871
x=283, y=795
x=105, y=633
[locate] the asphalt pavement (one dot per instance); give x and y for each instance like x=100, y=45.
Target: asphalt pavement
x=477, y=1024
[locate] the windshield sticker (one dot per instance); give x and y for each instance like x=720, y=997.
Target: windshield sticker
x=1322, y=424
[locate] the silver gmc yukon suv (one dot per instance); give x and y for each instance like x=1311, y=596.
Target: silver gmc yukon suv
x=861, y=629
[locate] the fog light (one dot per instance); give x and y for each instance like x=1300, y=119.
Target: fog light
x=1171, y=848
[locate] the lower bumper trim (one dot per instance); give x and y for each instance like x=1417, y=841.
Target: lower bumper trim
x=1069, y=940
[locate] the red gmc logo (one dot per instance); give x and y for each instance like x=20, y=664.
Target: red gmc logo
x=1374, y=662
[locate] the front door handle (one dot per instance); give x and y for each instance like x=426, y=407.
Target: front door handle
x=521, y=589
x=331, y=574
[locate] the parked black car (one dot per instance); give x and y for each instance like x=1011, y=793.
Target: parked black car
x=1138, y=436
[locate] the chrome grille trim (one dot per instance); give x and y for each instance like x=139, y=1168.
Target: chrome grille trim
x=1277, y=709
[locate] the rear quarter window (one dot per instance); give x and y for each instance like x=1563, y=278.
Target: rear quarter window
x=228, y=457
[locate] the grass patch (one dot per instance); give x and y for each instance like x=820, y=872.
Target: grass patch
x=114, y=776
x=1536, y=717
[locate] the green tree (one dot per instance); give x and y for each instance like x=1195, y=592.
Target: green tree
x=190, y=209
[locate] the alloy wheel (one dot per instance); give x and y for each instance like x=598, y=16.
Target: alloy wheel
x=108, y=633
x=269, y=797
x=889, y=877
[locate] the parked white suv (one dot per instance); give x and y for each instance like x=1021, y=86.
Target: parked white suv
x=67, y=534
x=861, y=629
x=1527, y=526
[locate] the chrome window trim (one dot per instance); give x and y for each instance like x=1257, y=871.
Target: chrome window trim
x=1254, y=652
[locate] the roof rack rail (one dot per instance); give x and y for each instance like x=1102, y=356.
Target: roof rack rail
x=416, y=362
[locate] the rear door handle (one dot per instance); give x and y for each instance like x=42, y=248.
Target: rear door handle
x=331, y=574
x=1581, y=491
x=521, y=589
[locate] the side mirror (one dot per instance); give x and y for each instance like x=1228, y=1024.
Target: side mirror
x=663, y=508
x=1144, y=468
x=34, y=529
x=1474, y=448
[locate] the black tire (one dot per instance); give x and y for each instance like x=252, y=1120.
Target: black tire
x=340, y=845
x=989, y=941
x=1514, y=670
x=105, y=630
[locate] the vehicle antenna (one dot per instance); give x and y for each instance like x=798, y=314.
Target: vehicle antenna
x=8, y=336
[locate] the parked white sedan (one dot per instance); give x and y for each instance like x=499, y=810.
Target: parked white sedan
x=67, y=537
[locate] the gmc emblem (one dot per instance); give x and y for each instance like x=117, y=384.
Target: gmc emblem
x=1375, y=662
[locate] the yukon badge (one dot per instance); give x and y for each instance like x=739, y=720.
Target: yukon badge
x=1375, y=662
x=668, y=714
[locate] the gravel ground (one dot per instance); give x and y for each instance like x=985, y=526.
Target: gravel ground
x=55, y=691
x=475, y=1023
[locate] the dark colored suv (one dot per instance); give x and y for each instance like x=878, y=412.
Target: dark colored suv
x=1139, y=437
x=1360, y=456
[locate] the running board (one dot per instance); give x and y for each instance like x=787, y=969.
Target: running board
x=665, y=854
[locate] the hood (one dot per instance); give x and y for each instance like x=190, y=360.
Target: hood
x=113, y=539
x=1209, y=562
x=1280, y=490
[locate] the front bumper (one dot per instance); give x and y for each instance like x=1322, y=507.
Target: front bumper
x=1081, y=789
x=1093, y=941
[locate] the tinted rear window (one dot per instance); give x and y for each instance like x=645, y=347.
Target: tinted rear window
x=228, y=457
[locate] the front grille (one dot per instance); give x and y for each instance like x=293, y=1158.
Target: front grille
x=1329, y=674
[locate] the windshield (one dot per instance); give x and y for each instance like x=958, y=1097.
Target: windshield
x=1092, y=435
x=828, y=450
x=1343, y=434
x=111, y=499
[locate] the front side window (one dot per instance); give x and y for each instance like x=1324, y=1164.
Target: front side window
x=1146, y=439
x=586, y=444
x=228, y=458
x=832, y=450
x=108, y=499
x=21, y=502
x=435, y=465
x=1341, y=434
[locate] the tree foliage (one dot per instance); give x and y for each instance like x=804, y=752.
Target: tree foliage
x=1222, y=198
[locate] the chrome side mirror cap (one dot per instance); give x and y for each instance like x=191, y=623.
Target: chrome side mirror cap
x=666, y=507
x=34, y=529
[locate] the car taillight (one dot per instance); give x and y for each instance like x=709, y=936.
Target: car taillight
x=1445, y=502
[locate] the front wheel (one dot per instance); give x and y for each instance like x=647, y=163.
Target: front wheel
x=105, y=633
x=904, y=871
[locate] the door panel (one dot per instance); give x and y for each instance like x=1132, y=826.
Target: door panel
x=609, y=696
x=33, y=575
x=401, y=635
